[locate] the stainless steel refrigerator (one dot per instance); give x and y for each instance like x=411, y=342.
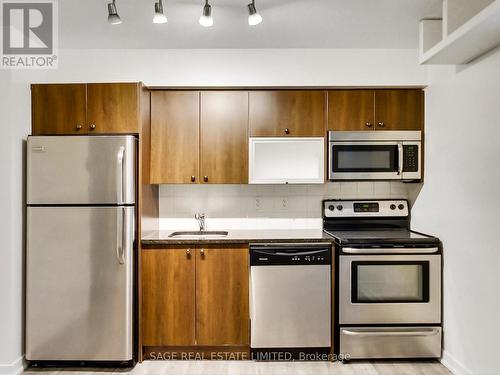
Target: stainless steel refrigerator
x=81, y=194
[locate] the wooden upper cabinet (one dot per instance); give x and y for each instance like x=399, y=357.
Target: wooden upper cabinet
x=222, y=296
x=168, y=297
x=224, y=137
x=287, y=113
x=113, y=107
x=110, y=108
x=174, y=137
x=58, y=109
x=399, y=109
x=351, y=110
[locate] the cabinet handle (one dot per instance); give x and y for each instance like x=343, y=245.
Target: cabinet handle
x=287, y=131
x=202, y=252
x=381, y=125
x=92, y=126
x=193, y=178
x=188, y=253
x=78, y=126
x=205, y=178
x=369, y=125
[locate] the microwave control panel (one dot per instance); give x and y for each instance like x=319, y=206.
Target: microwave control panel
x=410, y=158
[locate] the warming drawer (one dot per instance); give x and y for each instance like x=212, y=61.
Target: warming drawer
x=391, y=342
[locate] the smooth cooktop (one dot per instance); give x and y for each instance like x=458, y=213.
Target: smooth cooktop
x=381, y=236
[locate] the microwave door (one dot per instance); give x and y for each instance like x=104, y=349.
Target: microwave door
x=365, y=160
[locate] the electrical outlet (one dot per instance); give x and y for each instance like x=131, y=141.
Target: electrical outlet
x=258, y=203
x=284, y=203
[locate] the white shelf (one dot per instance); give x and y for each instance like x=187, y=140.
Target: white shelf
x=431, y=33
x=476, y=37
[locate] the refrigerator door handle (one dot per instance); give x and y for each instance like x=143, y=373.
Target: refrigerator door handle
x=120, y=233
x=119, y=174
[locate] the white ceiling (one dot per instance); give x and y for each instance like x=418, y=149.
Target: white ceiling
x=287, y=24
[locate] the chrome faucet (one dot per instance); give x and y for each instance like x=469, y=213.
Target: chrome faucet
x=201, y=221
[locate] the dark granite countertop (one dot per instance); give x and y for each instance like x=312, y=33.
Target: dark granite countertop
x=161, y=238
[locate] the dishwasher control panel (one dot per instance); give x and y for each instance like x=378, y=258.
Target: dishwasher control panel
x=289, y=255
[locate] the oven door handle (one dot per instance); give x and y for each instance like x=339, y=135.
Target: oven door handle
x=390, y=250
x=393, y=332
x=400, y=158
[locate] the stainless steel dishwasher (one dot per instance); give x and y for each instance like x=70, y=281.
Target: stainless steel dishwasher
x=290, y=301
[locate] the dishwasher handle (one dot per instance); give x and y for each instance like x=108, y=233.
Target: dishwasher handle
x=292, y=254
x=289, y=253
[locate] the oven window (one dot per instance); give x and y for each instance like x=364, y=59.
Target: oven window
x=365, y=158
x=390, y=282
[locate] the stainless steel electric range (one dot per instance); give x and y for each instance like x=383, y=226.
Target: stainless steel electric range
x=388, y=281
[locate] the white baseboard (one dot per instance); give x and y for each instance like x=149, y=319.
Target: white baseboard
x=14, y=368
x=452, y=364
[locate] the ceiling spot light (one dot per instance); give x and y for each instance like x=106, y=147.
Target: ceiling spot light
x=254, y=18
x=113, y=17
x=159, y=16
x=206, y=17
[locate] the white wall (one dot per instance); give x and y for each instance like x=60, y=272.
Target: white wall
x=460, y=203
x=156, y=67
x=14, y=127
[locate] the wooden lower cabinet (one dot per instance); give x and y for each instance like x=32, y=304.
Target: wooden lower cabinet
x=195, y=299
x=222, y=300
x=168, y=297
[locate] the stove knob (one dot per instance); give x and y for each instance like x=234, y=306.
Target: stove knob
x=340, y=207
x=401, y=206
x=393, y=206
x=331, y=207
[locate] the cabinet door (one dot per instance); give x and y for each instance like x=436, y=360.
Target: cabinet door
x=174, y=137
x=222, y=313
x=168, y=297
x=351, y=110
x=399, y=109
x=113, y=108
x=58, y=109
x=287, y=113
x=224, y=137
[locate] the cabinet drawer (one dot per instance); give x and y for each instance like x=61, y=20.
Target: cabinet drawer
x=391, y=342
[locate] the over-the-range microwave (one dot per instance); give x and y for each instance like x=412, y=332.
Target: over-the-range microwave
x=375, y=155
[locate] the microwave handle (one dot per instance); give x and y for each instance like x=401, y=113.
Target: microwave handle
x=400, y=158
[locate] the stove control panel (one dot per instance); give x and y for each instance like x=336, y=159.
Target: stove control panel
x=365, y=208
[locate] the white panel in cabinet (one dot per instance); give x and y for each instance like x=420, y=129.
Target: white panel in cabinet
x=287, y=160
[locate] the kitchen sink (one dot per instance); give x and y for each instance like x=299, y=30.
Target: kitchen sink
x=205, y=233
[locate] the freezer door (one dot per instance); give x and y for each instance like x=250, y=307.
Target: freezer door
x=79, y=283
x=81, y=170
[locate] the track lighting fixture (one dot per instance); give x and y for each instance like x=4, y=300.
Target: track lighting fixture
x=206, y=17
x=113, y=17
x=254, y=18
x=159, y=16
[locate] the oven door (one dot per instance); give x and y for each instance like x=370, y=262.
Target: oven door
x=365, y=160
x=390, y=289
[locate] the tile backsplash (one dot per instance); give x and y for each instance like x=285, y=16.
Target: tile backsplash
x=267, y=201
